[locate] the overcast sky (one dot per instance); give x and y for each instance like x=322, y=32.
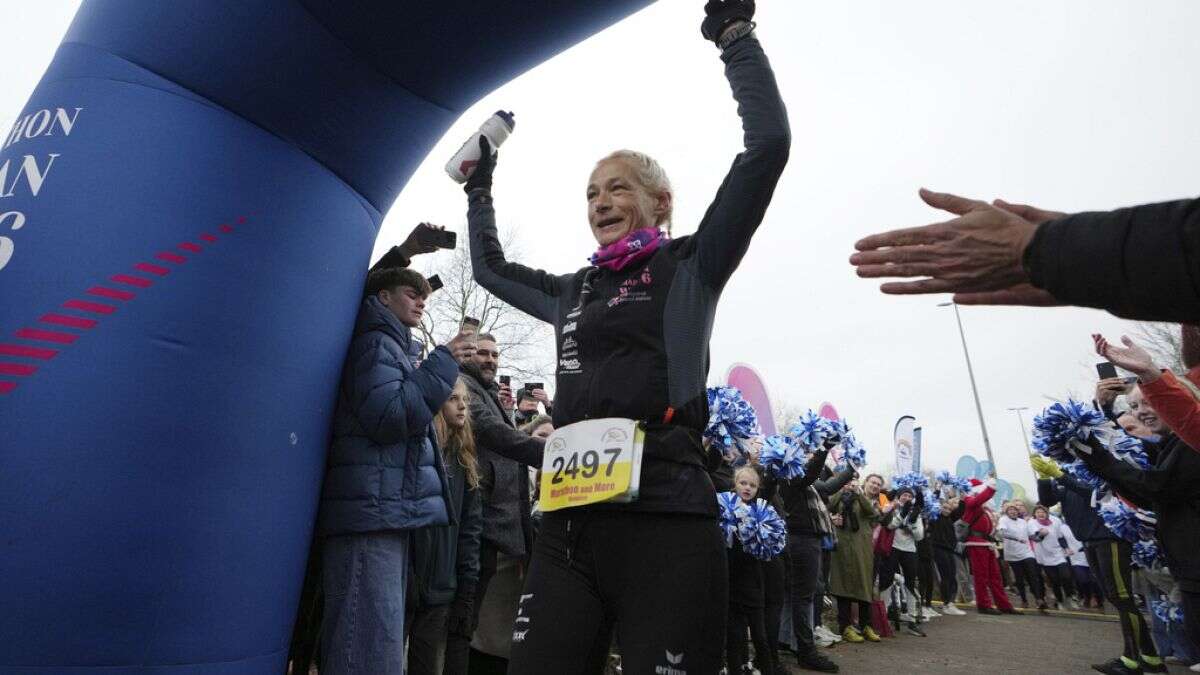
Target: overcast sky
x=1072, y=105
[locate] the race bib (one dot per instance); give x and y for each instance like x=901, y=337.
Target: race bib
x=590, y=462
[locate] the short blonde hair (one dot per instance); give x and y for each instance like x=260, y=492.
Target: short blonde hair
x=649, y=174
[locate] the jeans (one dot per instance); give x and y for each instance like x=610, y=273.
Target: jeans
x=364, y=577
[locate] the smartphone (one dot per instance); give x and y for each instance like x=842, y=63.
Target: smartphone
x=435, y=282
x=506, y=380
x=530, y=386
x=1106, y=370
x=470, y=325
x=439, y=238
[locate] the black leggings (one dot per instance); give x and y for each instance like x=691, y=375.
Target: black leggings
x=947, y=574
x=906, y=563
x=1110, y=562
x=774, y=590
x=660, y=579
x=736, y=654
x=925, y=570
x=1026, y=573
x=1060, y=580
x=864, y=613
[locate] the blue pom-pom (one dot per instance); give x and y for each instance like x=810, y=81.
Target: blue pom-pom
x=933, y=505
x=1129, y=524
x=1166, y=611
x=1080, y=472
x=853, y=453
x=1145, y=553
x=762, y=532
x=959, y=483
x=783, y=457
x=1129, y=449
x=731, y=420
x=812, y=430
x=731, y=511
x=1062, y=423
x=912, y=480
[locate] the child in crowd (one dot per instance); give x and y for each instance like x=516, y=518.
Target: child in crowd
x=746, y=597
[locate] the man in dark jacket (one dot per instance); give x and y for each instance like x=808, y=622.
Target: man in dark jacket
x=383, y=477
x=808, y=523
x=1137, y=262
x=504, y=453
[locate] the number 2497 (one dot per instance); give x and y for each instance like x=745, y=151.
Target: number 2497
x=587, y=465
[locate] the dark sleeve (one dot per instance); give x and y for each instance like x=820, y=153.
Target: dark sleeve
x=835, y=482
x=813, y=469
x=1048, y=492
x=470, y=531
x=493, y=433
x=741, y=202
x=390, y=403
x=1141, y=262
x=531, y=291
x=1140, y=487
x=393, y=258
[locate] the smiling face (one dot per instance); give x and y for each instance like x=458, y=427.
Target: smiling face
x=1040, y=513
x=619, y=204
x=1144, y=413
x=872, y=486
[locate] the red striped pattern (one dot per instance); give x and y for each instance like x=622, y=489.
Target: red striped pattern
x=131, y=280
x=96, y=307
x=110, y=293
x=152, y=269
x=64, y=320
x=21, y=369
x=27, y=351
x=47, y=335
x=83, y=323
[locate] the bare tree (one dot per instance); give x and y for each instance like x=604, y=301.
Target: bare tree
x=525, y=342
x=1164, y=342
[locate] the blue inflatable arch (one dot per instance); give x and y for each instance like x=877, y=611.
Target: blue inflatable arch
x=187, y=207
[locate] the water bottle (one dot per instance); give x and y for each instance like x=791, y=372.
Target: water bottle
x=496, y=128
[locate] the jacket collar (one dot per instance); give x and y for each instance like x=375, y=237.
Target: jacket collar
x=374, y=316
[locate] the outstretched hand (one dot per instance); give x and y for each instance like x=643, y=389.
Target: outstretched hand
x=419, y=240
x=1131, y=357
x=976, y=255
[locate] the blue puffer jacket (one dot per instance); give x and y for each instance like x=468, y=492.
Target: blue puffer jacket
x=383, y=472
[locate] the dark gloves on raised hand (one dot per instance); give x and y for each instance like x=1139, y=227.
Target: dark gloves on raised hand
x=481, y=177
x=461, y=620
x=721, y=13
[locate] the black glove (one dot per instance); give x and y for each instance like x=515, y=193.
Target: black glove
x=481, y=177
x=721, y=13
x=461, y=620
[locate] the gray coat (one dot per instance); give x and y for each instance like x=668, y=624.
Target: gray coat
x=503, y=479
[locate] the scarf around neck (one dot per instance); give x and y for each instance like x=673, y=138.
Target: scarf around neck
x=628, y=250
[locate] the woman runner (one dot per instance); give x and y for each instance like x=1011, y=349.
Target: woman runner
x=632, y=332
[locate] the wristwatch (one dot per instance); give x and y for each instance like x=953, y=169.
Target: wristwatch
x=734, y=34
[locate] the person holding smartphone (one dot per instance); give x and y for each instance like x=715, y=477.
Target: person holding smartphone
x=632, y=331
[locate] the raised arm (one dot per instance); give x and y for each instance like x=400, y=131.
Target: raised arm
x=389, y=402
x=494, y=434
x=741, y=202
x=531, y=291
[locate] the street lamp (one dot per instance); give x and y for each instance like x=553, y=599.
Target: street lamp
x=1021, y=419
x=987, y=445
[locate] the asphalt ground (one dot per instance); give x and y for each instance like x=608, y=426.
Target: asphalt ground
x=1061, y=642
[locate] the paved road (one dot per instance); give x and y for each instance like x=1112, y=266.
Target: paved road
x=1028, y=644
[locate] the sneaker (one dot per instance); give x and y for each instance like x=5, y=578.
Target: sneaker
x=1159, y=667
x=1115, y=667
x=989, y=610
x=952, y=610
x=1195, y=667
x=822, y=641
x=912, y=629
x=826, y=633
x=905, y=618
x=852, y=635
x=930, y=613
x=870, y=635
x=1075, y=604
x=816, y=661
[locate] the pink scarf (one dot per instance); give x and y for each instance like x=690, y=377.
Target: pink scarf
x=1043, y=523
x=629, y=250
